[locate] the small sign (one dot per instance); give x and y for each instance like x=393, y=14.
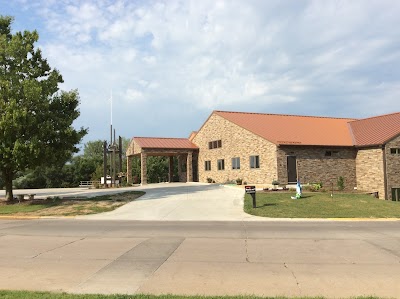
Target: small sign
x=250, y=189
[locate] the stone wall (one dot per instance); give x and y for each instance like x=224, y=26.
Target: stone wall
x=392, y=166
x=369, y=163
x=236, y=142
x=313, y=166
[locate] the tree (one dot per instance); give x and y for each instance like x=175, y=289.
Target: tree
x=36, y=117
x=94, y=150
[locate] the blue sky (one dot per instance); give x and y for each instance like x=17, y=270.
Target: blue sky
x=170, y=63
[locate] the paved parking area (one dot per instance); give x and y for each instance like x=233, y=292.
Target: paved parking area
x=180, y=201
x=164, y=201
x=67, y=192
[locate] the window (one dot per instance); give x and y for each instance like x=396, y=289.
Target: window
x=214, y=144
x=207, y=165
x=395, y=151
x=331, y=153
x=235, y=163
x=396, y=194
x=221, y=164
x=254, y=162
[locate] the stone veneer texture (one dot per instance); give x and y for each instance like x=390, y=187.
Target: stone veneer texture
x=314, y=167
x=392, y=166
x=369, y=163
x=236, y=142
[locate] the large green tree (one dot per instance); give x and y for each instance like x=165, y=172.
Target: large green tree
x=36, y=117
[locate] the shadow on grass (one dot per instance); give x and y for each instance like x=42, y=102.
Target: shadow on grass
x=266, y=205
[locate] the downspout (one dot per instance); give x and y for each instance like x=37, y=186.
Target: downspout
x=384, y=172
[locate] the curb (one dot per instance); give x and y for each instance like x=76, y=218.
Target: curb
x=35, y=217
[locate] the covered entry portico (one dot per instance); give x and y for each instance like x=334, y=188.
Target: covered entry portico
x=182, y=148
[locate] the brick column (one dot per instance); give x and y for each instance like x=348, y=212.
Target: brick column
x=129, y=170
x=189, y=167
x=171, y=169
x=143, y=168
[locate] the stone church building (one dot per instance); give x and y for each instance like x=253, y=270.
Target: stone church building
x=260, y=148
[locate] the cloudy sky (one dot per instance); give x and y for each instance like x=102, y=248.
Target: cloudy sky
x=170, y=63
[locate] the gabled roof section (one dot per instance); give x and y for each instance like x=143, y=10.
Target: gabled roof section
x=192, y=135
x=293, y=129
x=376, y=130
x=165, y=143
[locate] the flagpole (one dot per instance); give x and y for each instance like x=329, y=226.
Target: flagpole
x=111, y=114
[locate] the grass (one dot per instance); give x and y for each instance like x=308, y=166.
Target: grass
x=48, y=295
x=320, y=205
x=56, y=206
x=12, y=209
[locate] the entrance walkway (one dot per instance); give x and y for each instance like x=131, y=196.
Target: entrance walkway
x=182, y=201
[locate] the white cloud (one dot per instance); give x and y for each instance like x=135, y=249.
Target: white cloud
x=216, y=54
x=133, y=96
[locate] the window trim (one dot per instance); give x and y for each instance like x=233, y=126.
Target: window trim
x=256, y=162
x=215, y=144
x=221, y=164
x=395, y=150
x=331, y=153
x=236, y=163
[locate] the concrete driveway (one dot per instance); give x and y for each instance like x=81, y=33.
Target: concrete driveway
x=180, y=201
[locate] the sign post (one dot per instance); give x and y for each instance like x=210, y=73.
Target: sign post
x=252, y=191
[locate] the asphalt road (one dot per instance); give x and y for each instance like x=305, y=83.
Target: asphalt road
x=292, y=258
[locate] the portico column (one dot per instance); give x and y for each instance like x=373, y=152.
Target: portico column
x=129, y=170
x=189, y=166
x=171, y=169
x=143, y=168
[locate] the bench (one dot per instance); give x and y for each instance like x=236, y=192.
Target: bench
x=21, y=197
x=88, y=183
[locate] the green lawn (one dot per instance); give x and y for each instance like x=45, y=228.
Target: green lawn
x=320, y=205
x=47, y=295
x=12, y=209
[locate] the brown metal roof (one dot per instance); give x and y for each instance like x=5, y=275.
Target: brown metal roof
x=294, y=129
x=376, y=130
x=166, y=143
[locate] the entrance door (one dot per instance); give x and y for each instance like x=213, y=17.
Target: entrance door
x=291, y=169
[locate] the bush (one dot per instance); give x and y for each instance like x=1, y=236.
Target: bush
x=239, y=181
x=340, y=183
x=315, y=187
x=209, y=180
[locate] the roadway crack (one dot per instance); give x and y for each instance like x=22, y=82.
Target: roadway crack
x=294, y=276
x=392, y=252
x=66, y=244
x=246, y=242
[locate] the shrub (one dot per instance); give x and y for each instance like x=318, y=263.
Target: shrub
x=340, y=183
x=315, y=187
x=239, y=181
x=275, y=182
x=209, y=180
